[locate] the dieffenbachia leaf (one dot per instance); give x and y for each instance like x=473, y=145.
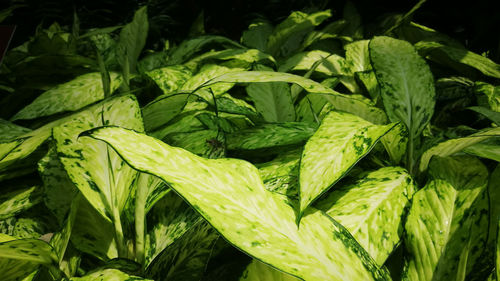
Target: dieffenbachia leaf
x=497, y=265
x=108, y=274
x=229, y=104
x=448, y=221
x=331, y=64
x=10, y=131
x=272, y=100
x=205, y=143
x=491, y=92
x=395, y=142
x=288, y=35
x=239, y=207
x=187, y=257
x=163, y=109
x=243, y=58
x=71, y=96
x=381, y=198
x=340, y=142
x=258, y=271
x=256, y=35
x=357, y=56
x=485, y=150
x=270, y=135
x=14, y=201
x=281, y=175
x=171, y=218
x=132, y=39
x=188, y=48
x=406, y=83
x=206, y=74
x=170, y=78
x=452, y=146
x=490, y=114
x=458, y=57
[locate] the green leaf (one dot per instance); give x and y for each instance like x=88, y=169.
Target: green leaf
x=281, y=175
x=448, y=221
x=395, y=143
x=10, y=131
x=32, y=250
x=272, y=100
x=171, y=218
x=170, y=78
x=339, y=143
x=406, y=83
x=258, y=271
x=163, y=109
x=491, y=92
x=288, y=35
x=243, y=58
x=457, y=58
x=331, y=64
x=270, y=135
x=188, y=48
x=208, y=73
x=381, y=198
x=256, y=35
x=14, y=201
x=452, y=146
x=490, y=114
x=255, y=220
x=187, y=257
x=71, y=96
x=205, y=143
x=107, y=275
x=357, y=56
x=132, y=40
x=485, y=150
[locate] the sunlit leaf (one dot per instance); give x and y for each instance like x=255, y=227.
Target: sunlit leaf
x=16, y=200
x=258, y=271
x=170, y=78
x=108, y=274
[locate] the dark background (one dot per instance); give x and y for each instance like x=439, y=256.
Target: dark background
x=475, y=23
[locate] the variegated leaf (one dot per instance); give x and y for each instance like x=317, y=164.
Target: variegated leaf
x=331, y=64
x=32, y=250
x=485, y=150
x=395, y=143
x=357, y=56
x=270, y=135
x=241, y=58
x=170, y=78
x=16, y=200
x=207, y=73
x=447, y=221
x=257, y=34
x=453, y=146
x=71, y=96
x=379, y=199
x=406, y=83
x=163, y=109
x=339, y=143
x=14, y=269
x=281, y=175
x=10, y=131
x=205, y=143
x=255, y=220
x=491, y=92
x=258, y=271
x=188, y=48
x=187, y=257
x=108, y=274
x=185, y=122
x=132, y=39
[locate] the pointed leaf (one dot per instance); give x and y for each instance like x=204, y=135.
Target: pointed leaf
x=490, y=114
x=258, y=271
x=9, y=131
x=169, y=79
x=381, y=198
x=331, y=64
x=406, y=83
x=132, y=40
x=339, y=143
x=71, y=96
x=256, y=35
x=444, y=225
x=485, y=150
x=255, y=220
x=453, y=146
x=281, y=175
x=14, y=201
x=190, y=47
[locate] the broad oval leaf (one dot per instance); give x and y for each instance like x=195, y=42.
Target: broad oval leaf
x=71, y=96
x=239, y=207
x=446, y=221
x=340, y=142
x=379, y=199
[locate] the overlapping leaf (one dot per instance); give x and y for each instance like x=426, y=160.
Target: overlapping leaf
x=170, y=78
x=18, y=199
x=9, y=131
x=258, y=271
x=237, y=205
x=132, y=40
x=340, y=142
x=108, y=274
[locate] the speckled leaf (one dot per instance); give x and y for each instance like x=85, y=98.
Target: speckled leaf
x=186, y=122
x=59, y=190
x=170, y=78
x=453, y=146
x=368, y=80
x=243, y=58
x=447, y=221
x=379, y=199
x=229, y=104
x=13, y=269
x=14, y=201
x=108, y=275
x=451, y=56
x=163, y=109
x=272, y=100
x=132, y=39
x=187, y=257
x=406, y=83
x=257, y=34
x=485, y=150
x=207, y=73
x=281, y=175
x=331, y=64
x=171, y=218
x=9, y=131
x=357, y=56
x=395, y=142
x=71, y=96
x=258, y=271
x=270, y=135
x=32, y=250
x=339, y=143
x=239, y=207
x=205, y=143
x=491, y=92
x=190, y=47
x=490, y=114
x=102, y=177
x=288, y=35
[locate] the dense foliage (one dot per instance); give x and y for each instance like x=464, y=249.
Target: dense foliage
x=305, y=151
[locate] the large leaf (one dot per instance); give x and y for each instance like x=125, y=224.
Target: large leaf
x=239, y=207
x=339, y=143
x=485, y=150
x=452, y=146
x=169, y=79
x=406, y=83
x=132, y=40
x=256, y=35
x=71, y=96
x=162, y=110
x=108, y=275
x=457, y=57
x=381, y=198
x=448, y=221
x=258, y=271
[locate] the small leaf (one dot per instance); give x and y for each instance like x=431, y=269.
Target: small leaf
x=339, y=143
x=71, y=96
